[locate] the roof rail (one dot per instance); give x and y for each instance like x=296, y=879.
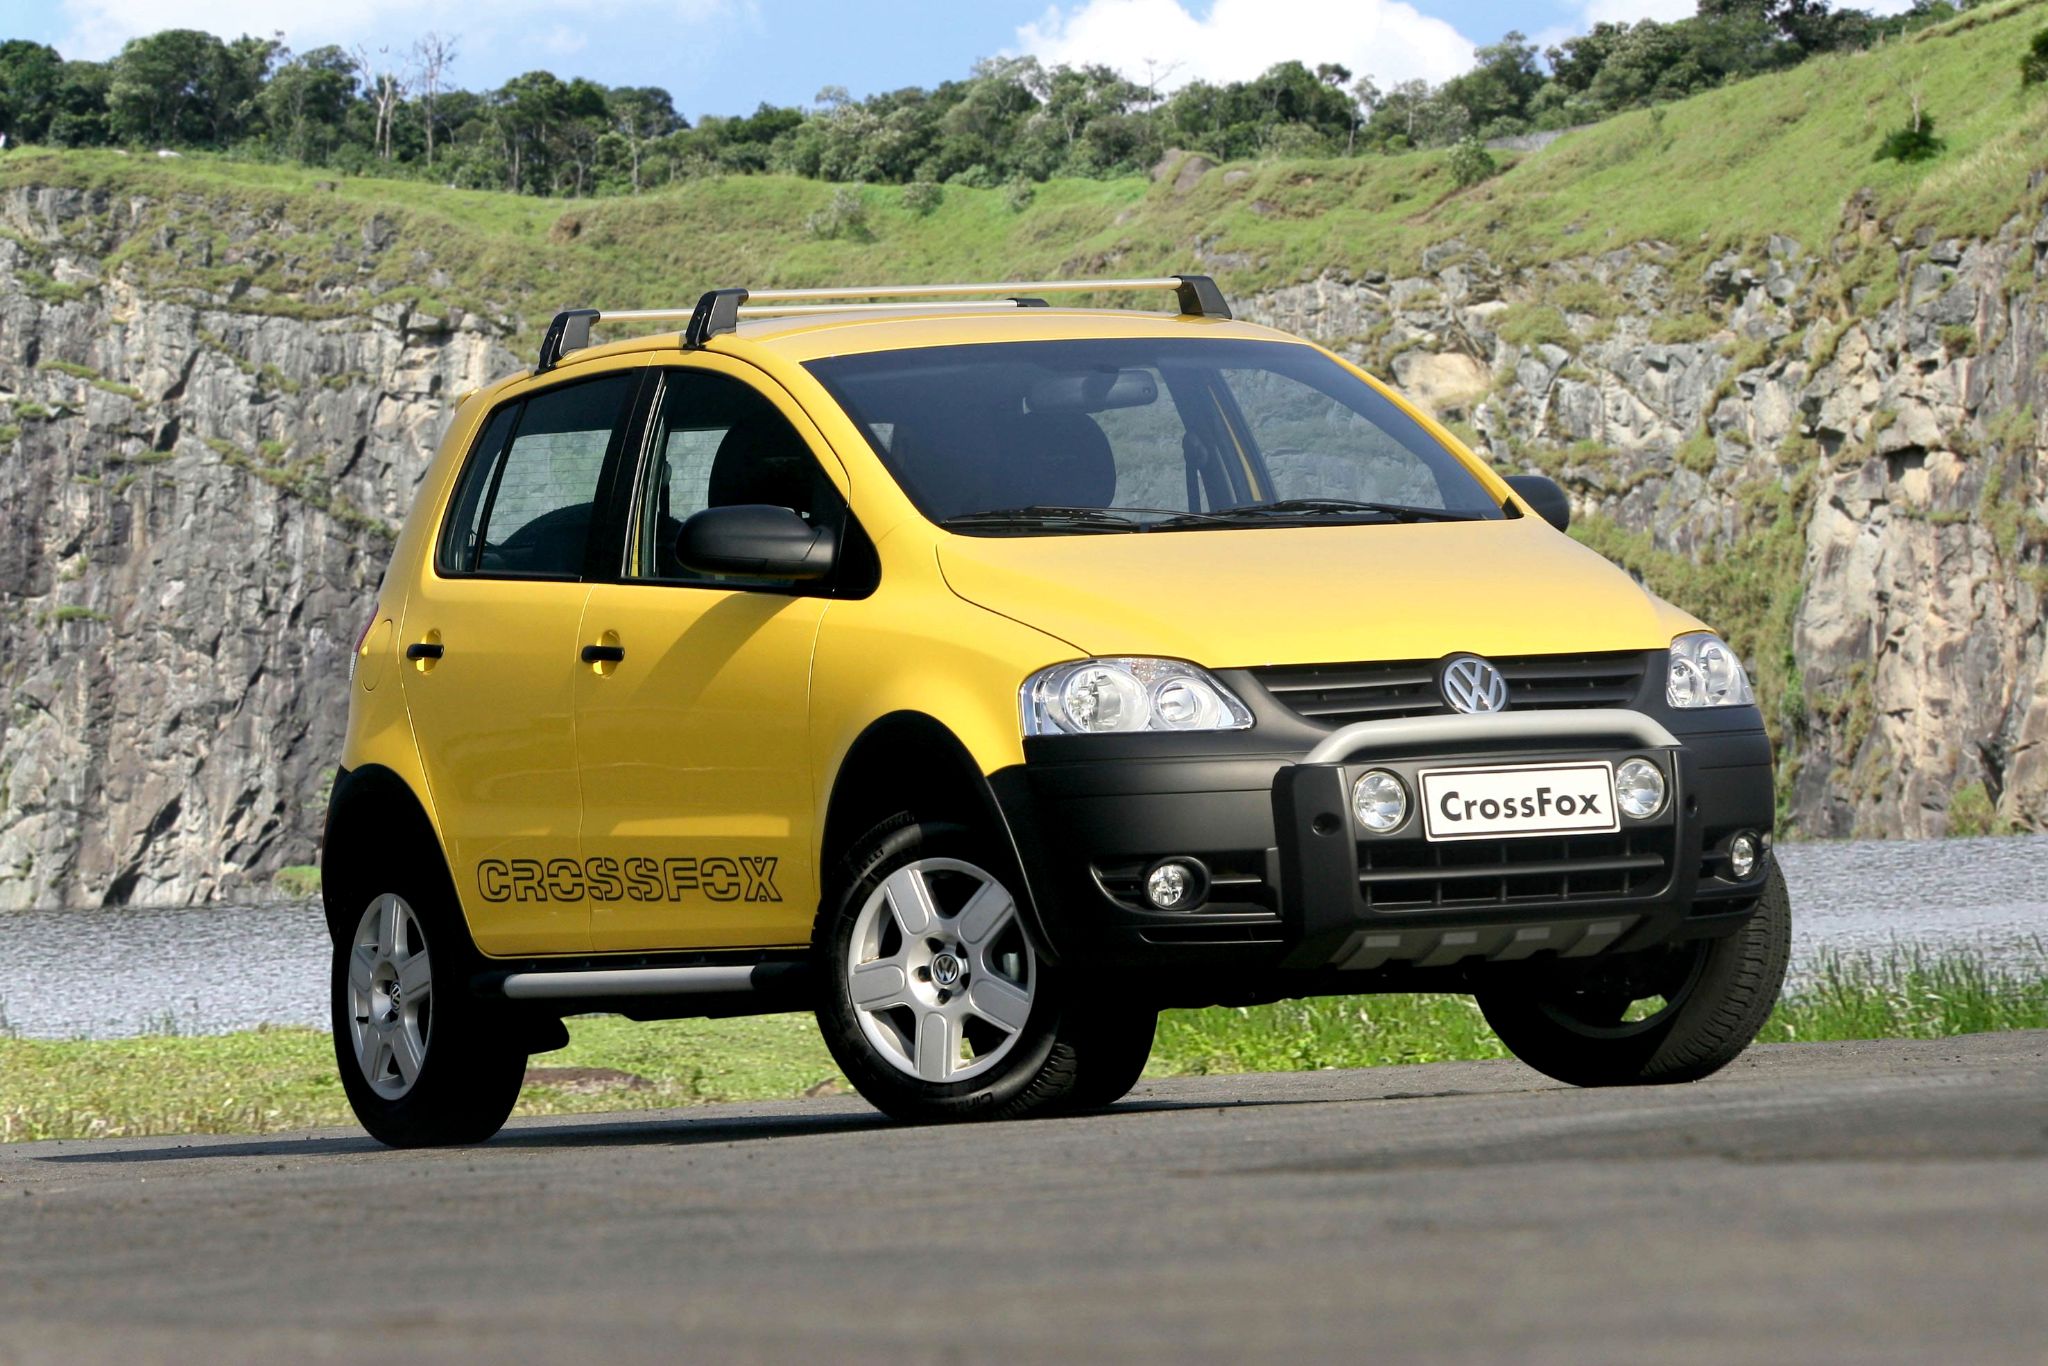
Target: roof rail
x=718, y=311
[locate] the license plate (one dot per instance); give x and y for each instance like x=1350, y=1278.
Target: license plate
x=1518, y=799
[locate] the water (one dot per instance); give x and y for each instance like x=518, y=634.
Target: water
x=106, y=973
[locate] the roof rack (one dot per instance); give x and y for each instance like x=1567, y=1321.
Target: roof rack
x=719, y=310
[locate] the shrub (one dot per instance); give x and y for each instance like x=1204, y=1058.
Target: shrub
x=1675, y=329
x=1534, y=325
x=1471, y=163
x=1971, y=812
x=1697, y=453
x=1914, y=142
x=923, y=197
x=300, y=881
x=2034, y=65
x=1018, y=195
x=846, y=216
x=1959, y=339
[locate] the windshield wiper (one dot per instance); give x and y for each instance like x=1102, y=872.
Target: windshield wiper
x=1332, y=507
x=1041, y=516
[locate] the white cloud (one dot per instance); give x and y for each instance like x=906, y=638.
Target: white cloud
x=561, y=40
x=1235, y=40
x=1628, y=11
x=99, y=27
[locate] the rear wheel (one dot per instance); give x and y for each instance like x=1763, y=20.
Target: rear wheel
x=937, y=1005
x=422, y=1061
x=1671, y=1014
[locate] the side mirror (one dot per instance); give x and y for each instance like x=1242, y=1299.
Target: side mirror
x=1544, y=497
x=755, y=541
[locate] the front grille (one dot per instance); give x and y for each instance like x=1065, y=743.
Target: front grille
x=1339, y=694
x=1545, y=869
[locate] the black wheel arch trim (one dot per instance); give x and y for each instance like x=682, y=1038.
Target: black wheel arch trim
x=372, y=808
x=852, y=809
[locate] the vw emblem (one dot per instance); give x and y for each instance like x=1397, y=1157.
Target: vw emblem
x=1472, y=685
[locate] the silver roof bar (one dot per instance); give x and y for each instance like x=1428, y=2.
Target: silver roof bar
x=718, y=311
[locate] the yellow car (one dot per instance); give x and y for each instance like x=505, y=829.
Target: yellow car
x=986, y=676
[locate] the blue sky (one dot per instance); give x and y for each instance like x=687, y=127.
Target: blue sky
x=726, y=56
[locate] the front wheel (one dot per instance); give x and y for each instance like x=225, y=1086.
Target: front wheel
x=1671, y=1014
x=937, y=1005
x=422, y=1063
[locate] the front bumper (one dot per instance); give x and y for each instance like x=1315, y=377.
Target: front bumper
x=1297, y=889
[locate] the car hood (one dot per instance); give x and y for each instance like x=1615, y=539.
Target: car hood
x=1303, y=595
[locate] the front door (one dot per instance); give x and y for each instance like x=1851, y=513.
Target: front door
x=490, y=632
x=692, y=724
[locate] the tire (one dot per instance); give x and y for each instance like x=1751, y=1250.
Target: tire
x=1717, y=994
x=1122, y=1045
x=936, y=1004
x=423, y=1061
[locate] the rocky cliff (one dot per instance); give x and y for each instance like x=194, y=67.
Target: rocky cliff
x=1833, y=449
x=199, y=495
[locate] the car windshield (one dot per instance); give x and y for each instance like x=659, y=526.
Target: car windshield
x=1145, y=434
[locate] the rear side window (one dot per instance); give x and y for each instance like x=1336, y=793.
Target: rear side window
x=527, y=498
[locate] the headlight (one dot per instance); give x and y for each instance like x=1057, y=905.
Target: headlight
x=1119, y=696
x=1706, y=673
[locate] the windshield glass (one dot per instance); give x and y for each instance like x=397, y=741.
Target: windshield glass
x=1039, y=438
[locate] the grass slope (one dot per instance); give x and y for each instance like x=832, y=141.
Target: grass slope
x=1778, y=154
x=279, y=1079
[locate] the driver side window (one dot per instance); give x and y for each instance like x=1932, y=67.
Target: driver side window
x=718, y=442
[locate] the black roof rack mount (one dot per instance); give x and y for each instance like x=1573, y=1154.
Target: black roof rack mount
x=718, y=311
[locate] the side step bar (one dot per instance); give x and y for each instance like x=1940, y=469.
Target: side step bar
x=722, y=979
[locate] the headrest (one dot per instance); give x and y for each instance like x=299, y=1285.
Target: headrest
x=1060, y=459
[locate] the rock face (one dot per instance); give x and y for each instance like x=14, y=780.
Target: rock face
x=199, y=489
x=199, y=500
x=1859, y=466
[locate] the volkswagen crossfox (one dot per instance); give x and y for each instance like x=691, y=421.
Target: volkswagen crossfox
x=983, y=677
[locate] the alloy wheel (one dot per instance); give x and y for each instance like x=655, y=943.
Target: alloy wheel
x=939, y=971
x=390, y=996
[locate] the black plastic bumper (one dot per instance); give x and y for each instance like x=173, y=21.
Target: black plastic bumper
x=1295, y=886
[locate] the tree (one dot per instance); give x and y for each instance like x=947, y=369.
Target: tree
x=29, y=76
x=1498, y=88
x=431, y=58
x=80, y=117
x=1365, y=97
x=641, y=114
x=523, y=109
x=385, y=85
x=306, y=102
x=184, y=87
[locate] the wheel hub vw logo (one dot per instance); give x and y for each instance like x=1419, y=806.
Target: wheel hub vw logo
x=1474, y=686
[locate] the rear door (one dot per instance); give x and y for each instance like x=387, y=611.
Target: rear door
x=694, y=740
x=493, y=624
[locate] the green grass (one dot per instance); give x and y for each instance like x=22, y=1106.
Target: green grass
x=277, y=1079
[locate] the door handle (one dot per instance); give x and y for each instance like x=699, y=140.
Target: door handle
x=603, y=654
x=424, y=649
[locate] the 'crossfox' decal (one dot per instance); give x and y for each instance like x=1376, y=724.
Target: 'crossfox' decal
x=634, y=879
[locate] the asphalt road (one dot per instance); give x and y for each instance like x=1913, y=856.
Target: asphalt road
x=1819, y=1202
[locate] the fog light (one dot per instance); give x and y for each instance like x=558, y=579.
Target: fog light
x=1639, y=788
x=1379, y=801
x=1742, y=854
x=1175, y=885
